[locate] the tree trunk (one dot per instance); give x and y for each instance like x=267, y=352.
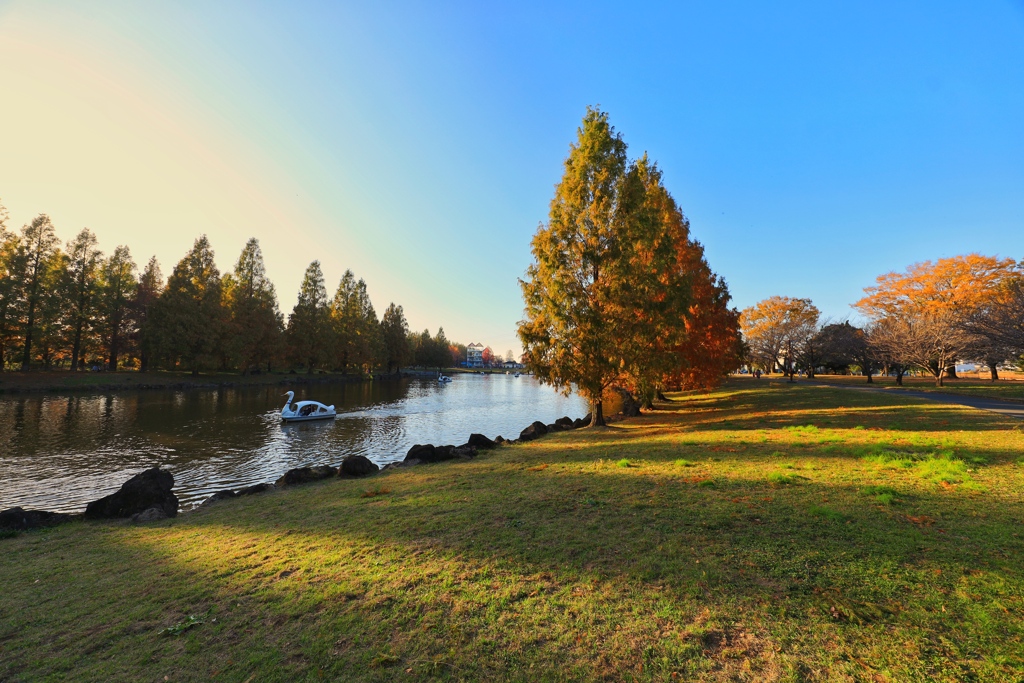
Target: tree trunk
x=938, y=378
x=76, y=347
x=114, y=352
x=597, y=414
x=899, y=379
x=26, y=357
x=951, y=371
x=994, y=370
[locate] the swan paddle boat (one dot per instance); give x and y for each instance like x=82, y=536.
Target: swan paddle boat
x=306, y=410
x=443, y=379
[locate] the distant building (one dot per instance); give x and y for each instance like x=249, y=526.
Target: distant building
x=475, y=356
x=512, y=365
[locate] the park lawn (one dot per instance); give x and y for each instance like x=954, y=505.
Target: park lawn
x=763, y=532
x=1010, y=388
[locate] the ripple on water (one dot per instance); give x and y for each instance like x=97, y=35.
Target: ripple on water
x=59, y=452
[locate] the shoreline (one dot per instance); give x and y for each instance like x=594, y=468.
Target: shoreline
x=65, y=381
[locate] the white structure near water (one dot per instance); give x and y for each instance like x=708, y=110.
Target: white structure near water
x=475, y=356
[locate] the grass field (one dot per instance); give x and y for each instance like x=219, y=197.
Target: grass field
x=1009, y=388
x=762, y=533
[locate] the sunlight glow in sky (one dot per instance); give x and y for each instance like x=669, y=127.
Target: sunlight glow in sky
x=813, y=147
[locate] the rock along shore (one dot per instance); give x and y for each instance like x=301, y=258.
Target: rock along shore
x=148, y=496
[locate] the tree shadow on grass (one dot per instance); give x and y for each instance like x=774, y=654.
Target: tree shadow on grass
x=492, y=569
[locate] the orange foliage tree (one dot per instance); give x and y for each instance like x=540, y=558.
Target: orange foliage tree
x=933, y=303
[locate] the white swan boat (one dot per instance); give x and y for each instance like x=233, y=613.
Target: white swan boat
x=444, y=378
x=306, y=410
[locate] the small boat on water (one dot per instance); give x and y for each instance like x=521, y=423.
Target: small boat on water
x=303, y=411
x=516, y=375
x=443, y=378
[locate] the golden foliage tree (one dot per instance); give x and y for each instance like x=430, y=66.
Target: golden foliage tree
x=776, y=330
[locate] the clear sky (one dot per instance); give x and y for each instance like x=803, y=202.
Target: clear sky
x=812, y=145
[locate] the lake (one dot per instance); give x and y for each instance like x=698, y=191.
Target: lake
x=58, y=452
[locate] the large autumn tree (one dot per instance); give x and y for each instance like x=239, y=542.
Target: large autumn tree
x=571, y=292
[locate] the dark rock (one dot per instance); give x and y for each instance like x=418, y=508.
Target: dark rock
x=220, y=495
x=17, y=519
x=357, y=466
x=145, y=490
x=255, y=488
x=630, y=408
x=305, y=475
x=422, y=452
x=498, y=440
x=480, y=441
x=537, y=429
x=565, y=422
x=554, y=428
x=405, y=463
x=429, y=453
x=153, y=514
x=579, y=422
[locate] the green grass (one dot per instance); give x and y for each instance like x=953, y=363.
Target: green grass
x=893, y=555
x=1010, y=386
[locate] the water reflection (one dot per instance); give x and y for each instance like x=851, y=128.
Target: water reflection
x=59, y=452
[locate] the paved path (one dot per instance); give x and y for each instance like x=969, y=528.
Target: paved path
x=995, y=405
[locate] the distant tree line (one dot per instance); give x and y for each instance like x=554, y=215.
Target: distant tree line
x=925, y=319
x=619, y=294
x=68, y=306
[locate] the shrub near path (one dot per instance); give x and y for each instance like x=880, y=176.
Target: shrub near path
x=762, y=532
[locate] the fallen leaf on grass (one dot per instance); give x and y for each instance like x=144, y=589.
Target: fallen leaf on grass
x=921, y=520
x=379, y=491
x=538, y=468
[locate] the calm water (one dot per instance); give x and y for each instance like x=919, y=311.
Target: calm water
x=59, y=452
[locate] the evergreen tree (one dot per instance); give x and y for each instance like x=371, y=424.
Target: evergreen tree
x=394, y=332
x=256, y=324
x=188, y=317
x=309, y=325
x=49, y=345
x=344, y=321
x=80, y=288
x=40, y=246
x=11, y=253
x=117, y=295
x=151, y=283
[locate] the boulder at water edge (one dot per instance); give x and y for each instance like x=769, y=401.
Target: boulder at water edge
x=421, y=452
x=480, y=441
x=17, y=519
x=145, y=490
x=565, y=422
x=220, y=495
x=255, y=488
x=357, y=466
x=153, y=514
x=305, y=475
x=537, y=429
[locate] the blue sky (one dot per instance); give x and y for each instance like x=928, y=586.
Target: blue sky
x=813, y=146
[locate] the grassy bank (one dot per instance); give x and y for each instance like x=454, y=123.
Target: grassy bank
x=764, y=532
